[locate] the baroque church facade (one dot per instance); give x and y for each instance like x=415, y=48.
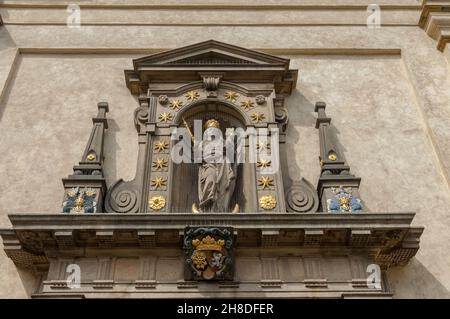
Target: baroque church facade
x=331, y=178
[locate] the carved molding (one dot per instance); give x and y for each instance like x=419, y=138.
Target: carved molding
x=435, y=20
x=387, y=237
x=211, y=81
x=214, y=56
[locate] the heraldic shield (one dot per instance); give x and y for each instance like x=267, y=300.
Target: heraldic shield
x=209, y=253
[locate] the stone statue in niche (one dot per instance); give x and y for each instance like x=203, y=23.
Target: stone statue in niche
x=216, y=174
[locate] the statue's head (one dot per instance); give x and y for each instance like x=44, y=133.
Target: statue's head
x=212, y=123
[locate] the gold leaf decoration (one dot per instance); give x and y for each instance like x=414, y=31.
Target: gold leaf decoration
x=263, y=163
x=157, y=202
x=165, y=117
x=231, y=96
x=160, y=146
x=192, y=95
x=158, y=182
x=199, y=260
x=332, y=157
x=267, y=202
x=258, y=117
x=265, y=182
x=175, y=104
x=261, y=146
x=247, y=104
x=159, y=164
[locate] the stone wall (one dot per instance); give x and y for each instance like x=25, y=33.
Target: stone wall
x=387, y=91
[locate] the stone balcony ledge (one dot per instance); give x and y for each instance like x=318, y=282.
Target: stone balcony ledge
x=388, y=238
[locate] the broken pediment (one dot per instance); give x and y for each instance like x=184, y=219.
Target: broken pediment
x=232, y=62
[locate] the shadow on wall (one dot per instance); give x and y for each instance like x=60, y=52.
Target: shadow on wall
x=6, y=43
x=415, y=281
x=111, y=148
x=4, y=97
x=300, y=114
x=16, y=282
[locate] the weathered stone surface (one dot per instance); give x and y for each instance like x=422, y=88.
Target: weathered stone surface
x=391, y=112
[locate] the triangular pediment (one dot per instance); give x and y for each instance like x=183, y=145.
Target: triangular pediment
x=230, y=62
x=212, y=53
x=212, y=58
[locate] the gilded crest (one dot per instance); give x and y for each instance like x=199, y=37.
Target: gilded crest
x=208, y=254
x=80, y=200
x=343, y=201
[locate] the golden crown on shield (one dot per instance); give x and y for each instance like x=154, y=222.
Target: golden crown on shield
x=208, y=243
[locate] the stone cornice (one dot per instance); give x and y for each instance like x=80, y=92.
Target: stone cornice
x=25, y=221
x=287, y=5
x=435, y=20
x=387, y=237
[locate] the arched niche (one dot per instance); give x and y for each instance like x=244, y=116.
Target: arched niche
x=184, y=177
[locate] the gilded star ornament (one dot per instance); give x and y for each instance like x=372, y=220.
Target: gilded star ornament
x=258, y=117
x=160, y=146
x=175, y=104
x=192, y=95
x=268, y=202
x=261, y=146
x=159, y=164
x=158, y=182
x=165, y=117
x=265, y=182
x=263, y=163
x=157, y=202
x=247, y=104
x=231, y=96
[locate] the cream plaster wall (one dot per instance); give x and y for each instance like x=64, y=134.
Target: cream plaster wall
x=391, y=110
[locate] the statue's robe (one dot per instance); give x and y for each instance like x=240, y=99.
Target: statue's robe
x=216, y=182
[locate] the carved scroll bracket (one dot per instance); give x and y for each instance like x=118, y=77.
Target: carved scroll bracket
x=211, y=81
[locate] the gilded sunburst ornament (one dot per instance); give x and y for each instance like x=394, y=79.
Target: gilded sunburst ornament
x=160, y=146
x=263, y=163
x=231, y=96
x=165, y=117
x=265, y=182
x=159, y=164
x=192, y=96
x=258, y=117
x=247, y=104
x=158, y=182
x=175, y=104
x=267, y=202
x=261, y=146
x=157, y=202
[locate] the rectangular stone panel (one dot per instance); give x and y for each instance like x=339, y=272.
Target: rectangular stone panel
x=336, y=269
x=291, y=269
x=248, y=268
x=126, y=269
x=169, y=269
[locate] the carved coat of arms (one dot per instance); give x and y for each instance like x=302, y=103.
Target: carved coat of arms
x=208, y=253
x=343, y=201
x=80, y=200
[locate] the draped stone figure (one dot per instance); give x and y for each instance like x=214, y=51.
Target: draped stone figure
x=216, y=178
